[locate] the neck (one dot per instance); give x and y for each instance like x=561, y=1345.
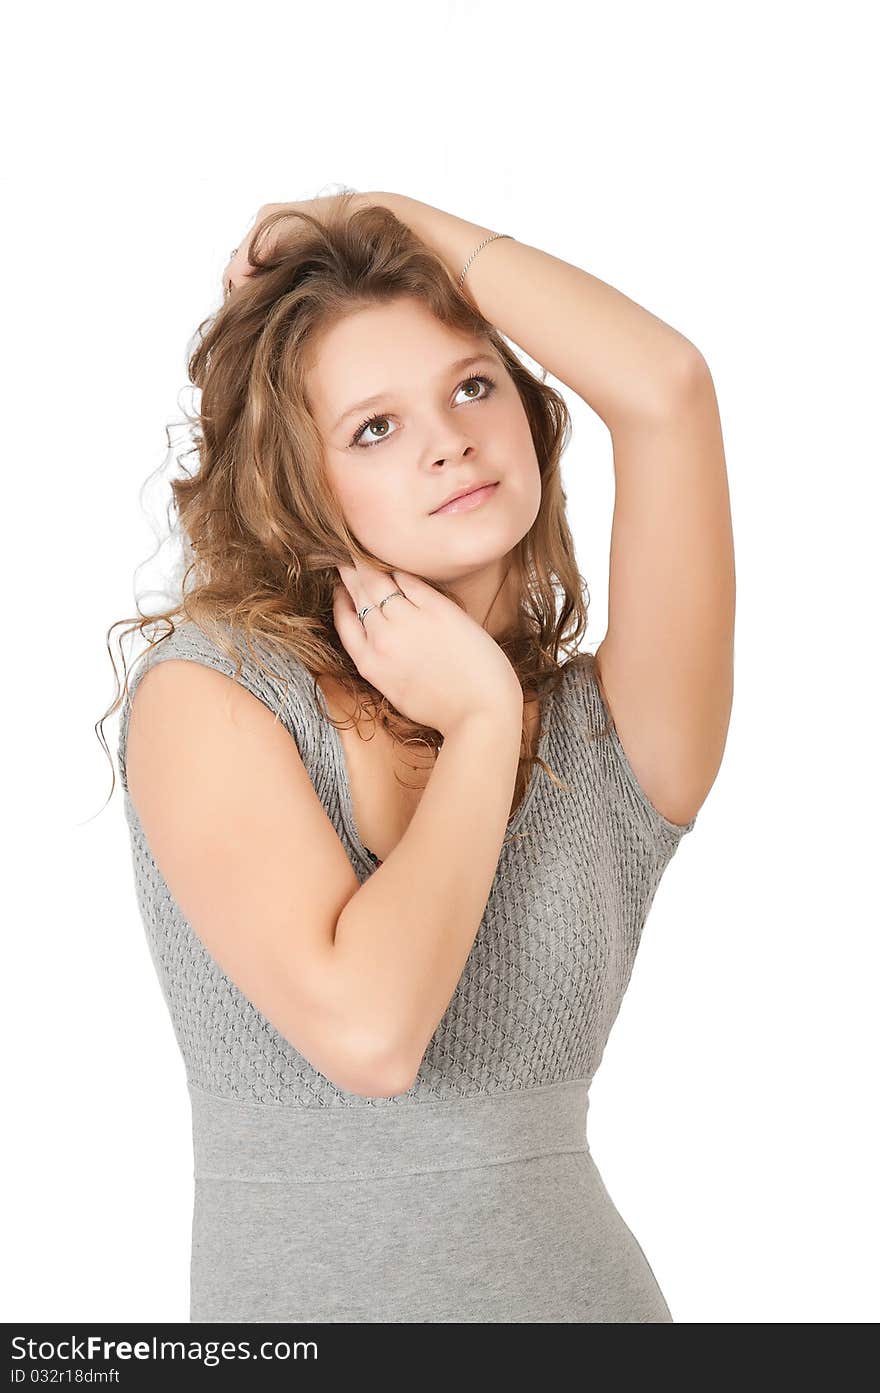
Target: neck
x=490, y=597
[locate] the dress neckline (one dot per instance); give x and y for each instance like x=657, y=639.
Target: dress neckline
x=366, y=857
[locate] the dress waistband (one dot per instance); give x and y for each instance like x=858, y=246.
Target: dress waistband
x=233, y=1140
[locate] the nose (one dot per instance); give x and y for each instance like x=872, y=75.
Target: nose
x=461, y=449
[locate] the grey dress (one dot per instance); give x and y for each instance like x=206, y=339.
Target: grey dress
x=473, y=1197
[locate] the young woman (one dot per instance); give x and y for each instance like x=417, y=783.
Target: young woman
x=394, y=856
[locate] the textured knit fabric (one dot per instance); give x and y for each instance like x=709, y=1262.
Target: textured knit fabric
x=473, y=1196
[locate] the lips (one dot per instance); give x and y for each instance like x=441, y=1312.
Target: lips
x=464, y=493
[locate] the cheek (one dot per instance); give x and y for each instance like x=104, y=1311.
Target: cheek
x=525, y=495
x=360, y=495
x=378, y=513
x=524, y=492
x=522, y=469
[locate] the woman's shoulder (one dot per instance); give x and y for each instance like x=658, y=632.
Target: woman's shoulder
x=267, y=669
x=227, y=648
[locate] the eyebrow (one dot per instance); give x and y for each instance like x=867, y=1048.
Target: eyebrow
x=457, y=366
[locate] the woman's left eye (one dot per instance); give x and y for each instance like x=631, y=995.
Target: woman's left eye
x=488, y=383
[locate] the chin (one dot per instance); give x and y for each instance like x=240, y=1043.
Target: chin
x=457, y=563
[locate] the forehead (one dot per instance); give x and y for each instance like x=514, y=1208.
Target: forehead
x=394, y=347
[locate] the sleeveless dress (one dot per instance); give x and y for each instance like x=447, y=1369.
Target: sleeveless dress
x=473, y=1197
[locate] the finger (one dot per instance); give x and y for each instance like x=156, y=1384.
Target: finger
x=348, y=626
x=238, y=267
x=348, y=576
x=414, y=588
x=374, y=581
x=364, y=582
x=342, y=602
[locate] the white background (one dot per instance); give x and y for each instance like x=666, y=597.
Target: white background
x=714, y=162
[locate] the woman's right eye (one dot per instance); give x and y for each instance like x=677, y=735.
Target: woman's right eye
x=488, y=383
x=371, y=421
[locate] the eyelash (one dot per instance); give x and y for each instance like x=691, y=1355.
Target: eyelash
x=488, y=382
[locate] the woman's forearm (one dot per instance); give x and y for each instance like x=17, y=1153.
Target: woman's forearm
x=621, y=359
x=403, y=938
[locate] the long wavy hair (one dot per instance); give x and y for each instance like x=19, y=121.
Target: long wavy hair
x=261, y=528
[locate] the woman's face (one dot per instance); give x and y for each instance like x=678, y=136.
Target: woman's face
x=434, y=429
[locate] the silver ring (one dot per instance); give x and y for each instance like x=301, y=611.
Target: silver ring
x=362, y=613
x=233, y=252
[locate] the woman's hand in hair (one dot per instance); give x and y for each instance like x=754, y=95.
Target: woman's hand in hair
x=277, y=219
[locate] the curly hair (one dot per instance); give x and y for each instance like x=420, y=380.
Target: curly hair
x=261, y=528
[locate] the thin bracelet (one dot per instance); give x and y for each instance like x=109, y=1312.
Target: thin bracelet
x=483, y=244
